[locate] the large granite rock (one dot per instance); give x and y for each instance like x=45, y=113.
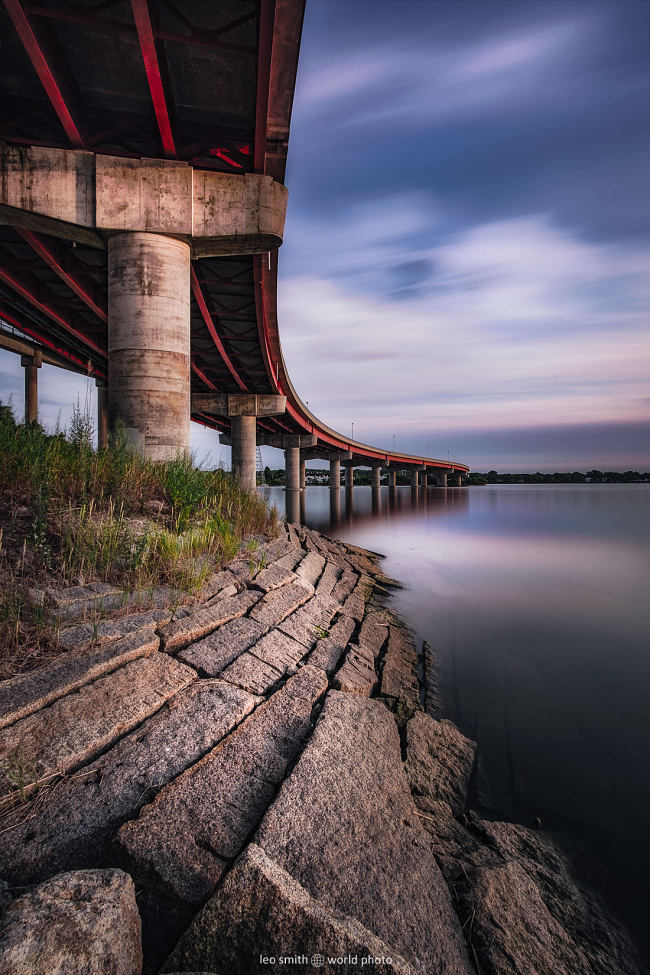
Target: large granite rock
x=400, y=687
x=75, y=728
x=198, y=624
x=261, y=911
x=82, y=923
x=214, y=652
x=439, y=761
x=376, y=865
x=329, y=650
x=26, y=693
x=72, y=827
x=600, y=938
x=512, y=931
x=182, y=842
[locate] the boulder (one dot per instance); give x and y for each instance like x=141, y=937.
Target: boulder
x=344, y=827
x=439, y=761
x=80, y=923
x=261, y=911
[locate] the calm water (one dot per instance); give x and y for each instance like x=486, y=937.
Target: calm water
x=536, y=602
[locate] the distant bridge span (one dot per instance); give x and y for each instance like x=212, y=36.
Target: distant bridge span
x=142, y=203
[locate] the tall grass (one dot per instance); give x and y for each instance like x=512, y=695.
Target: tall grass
x=76, y=514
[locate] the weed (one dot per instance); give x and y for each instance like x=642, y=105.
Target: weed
x=321, y=633
x=18, y=773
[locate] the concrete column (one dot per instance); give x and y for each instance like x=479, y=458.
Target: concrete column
x=349, y=476
x=242, y=430
x=414, y=479
x=149, y=342
x=303, y=479
x=376, y=475
x=442, y=479
x=292, y=469
x=458, y=480
x=392, y=477
x=102, y=414
x=335, y=474
x=31, y=365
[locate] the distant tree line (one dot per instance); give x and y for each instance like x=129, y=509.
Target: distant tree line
x=566, y=477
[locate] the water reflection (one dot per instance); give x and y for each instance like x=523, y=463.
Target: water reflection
x=535, y=600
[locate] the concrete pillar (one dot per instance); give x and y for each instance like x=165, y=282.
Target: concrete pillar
x=376, y=475
x=458, y=480
x=442, y=479
x=102, y=414
x=242, y=431
x=303, y=478
x=335, y=473
x=31, y=365
x=414, y=479
x=392, y=477
x=149, y=342
x=292, y=468
x=349, y=476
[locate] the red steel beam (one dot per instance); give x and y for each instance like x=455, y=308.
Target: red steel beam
x=147, y=41
x=264, y=49
x=39, y=247
x=51, y=345
x=33, y=300
x=47, y=77
x=207, y=318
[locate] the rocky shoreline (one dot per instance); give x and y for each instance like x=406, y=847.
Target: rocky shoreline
x=261, y=780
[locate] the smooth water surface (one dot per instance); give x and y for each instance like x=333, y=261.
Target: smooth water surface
x=536, y=602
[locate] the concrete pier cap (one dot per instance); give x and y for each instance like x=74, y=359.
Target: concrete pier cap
x=85, y=196
x=243, y=410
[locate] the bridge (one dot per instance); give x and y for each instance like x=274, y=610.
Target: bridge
x=143, y=147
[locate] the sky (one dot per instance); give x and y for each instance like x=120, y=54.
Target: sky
x=467, y=247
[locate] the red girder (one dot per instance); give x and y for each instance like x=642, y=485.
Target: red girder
x=38, y=245
x=28, y=330
x=207, y=318
x=147, y=41
x=33, y=300
x=47, y=77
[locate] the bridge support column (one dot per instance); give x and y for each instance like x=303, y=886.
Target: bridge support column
x=242, y=430
x=458, y=480
x=335, y=474
x=349, y=477
x=392, y=477
x=292, y=468
x=442, y=479
x=303, y=477
x=376, y=475
x=414, y=479
x=149, y=342
x=102, y=413
x=31, y=365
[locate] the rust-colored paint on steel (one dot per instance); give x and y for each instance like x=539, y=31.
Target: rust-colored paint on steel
x=264, y=51
x=207, y=318
x=140, y=10
x=33, y=300
x=38, y=245
x=36, y=55
x=28, y=330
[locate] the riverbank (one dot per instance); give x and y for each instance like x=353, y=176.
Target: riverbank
x=254, y=777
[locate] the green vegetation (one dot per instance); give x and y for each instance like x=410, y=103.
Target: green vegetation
x=70, y=515
x=573, y=477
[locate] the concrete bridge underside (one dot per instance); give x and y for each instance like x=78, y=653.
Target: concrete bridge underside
x=142, y=204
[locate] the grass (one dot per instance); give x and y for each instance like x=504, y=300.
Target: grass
x=70, y=514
